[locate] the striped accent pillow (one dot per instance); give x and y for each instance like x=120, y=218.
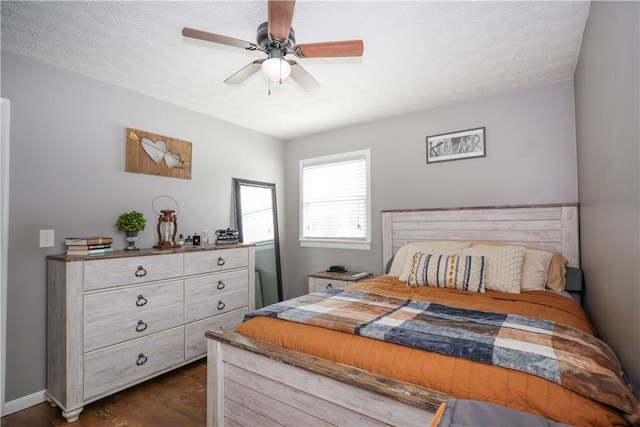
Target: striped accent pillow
x=454, y=271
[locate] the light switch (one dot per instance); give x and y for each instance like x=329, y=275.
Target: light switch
x=47, y=239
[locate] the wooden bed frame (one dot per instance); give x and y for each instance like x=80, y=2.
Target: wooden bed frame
x=254, y=383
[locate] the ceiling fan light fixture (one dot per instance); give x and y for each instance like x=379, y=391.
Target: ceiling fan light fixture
x=272, y=39
x=277, y=69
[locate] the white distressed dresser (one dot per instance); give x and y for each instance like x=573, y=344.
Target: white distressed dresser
x=119, y=319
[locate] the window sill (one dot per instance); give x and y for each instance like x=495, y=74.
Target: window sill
x=335, y=244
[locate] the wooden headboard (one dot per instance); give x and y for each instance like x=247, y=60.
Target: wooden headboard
x=554, y=227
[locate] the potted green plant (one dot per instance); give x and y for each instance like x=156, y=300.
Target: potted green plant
x=131, y=223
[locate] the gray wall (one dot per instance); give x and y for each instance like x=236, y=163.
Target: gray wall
x=67, y=174
x=531, y=158
x=607, y=97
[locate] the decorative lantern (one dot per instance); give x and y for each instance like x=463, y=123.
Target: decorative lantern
x=167, y=227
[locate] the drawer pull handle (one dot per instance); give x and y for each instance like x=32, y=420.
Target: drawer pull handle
x=141, y=272
x=142, y=359
x=141, y=301
x=329, y=286
x=220, y=284
x=221, y=305
x=141, y=326
x=221, y=261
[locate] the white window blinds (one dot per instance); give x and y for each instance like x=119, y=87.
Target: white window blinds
x=335, y=198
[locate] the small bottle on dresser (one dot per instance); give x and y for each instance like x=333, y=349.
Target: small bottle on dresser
x=181, y=240
x=196, y=239
x=205, y=236
x=188, y=242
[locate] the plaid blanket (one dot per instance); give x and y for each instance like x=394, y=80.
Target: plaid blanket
x=559, y=353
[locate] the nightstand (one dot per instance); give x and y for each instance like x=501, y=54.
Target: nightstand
x=327, y=280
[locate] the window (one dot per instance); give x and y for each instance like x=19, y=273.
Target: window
x=335, y=202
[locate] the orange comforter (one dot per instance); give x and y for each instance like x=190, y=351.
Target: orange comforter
x=457, y=377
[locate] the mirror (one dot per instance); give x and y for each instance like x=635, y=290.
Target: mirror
x=257, y=222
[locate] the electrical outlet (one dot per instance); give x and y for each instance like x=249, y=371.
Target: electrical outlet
x=47, y=238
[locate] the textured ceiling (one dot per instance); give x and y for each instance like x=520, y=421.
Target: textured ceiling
x=417, y=54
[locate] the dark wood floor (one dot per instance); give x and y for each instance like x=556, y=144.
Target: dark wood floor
x=174, y=399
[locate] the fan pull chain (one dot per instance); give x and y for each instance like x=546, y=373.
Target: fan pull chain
x=269, y=87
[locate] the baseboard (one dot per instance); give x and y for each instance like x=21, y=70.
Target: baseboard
x=25, y=402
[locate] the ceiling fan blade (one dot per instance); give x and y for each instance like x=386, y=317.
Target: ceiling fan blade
x=245, y=72
x=329, y=49
x=217, y=38
x=302, y=77
x=280, y=16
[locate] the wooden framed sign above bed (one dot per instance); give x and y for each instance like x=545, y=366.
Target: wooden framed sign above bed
x=157, y=155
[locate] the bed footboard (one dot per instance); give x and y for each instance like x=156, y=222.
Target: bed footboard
x=253, y=383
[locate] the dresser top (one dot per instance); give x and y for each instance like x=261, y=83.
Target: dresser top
x=151, y=251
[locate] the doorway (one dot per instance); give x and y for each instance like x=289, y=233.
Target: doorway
x=4, y=238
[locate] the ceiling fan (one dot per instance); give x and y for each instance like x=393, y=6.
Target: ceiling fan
x=277, y=39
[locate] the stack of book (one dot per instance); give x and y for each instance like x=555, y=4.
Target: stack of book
x=88, y=245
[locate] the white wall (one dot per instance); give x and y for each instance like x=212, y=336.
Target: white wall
x=607, y=87
x=67, y=174
x=531, y=158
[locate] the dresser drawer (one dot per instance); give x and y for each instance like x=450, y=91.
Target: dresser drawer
x=120, y=365
x=212, y=261
x=106, y=273
x=215, y=284
x=206, y=296
x=195, y=341
x=119, y=315
x=322, y=284
x=206, y=300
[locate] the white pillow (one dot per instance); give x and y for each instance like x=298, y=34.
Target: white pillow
x=504, y=266
x=535, y=269
x=403, y=261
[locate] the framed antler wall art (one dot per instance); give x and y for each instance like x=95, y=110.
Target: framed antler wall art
x=153, y=154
